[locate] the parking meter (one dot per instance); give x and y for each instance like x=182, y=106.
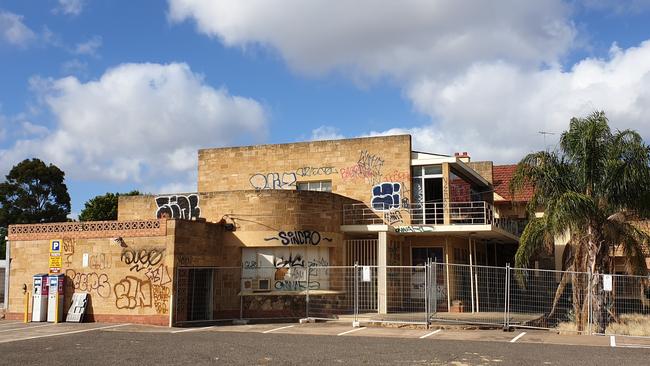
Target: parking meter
x=55, y=298
x=39, y=298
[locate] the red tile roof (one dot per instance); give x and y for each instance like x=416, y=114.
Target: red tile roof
x=501, y=177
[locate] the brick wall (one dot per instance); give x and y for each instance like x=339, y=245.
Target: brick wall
x=127, y=280
x=353, y=165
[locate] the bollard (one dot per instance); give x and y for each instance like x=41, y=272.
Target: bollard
x=26, y=318
x=56, y=310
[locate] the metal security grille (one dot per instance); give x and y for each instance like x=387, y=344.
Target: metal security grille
x=363, y=252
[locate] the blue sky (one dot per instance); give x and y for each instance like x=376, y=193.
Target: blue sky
x=120, y=94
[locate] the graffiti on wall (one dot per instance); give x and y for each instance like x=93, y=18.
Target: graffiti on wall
x=291, y=274
x=310, y=171
x=132, y=292
x=288, y=268
x=299, y=237
x=393, y=217
x=100, y=261
x=178, y=207
x=68, y=251
x=139, y=259
x=367, y=168
x=413, y=229
x=386, y=196
x=93, y=283
x=161, y=299
x=371, y=163
x=261, y=181
x=158, y=275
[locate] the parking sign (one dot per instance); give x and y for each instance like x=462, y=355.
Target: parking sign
x=55, y=246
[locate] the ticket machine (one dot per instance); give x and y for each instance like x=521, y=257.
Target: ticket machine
x=39, y=298
x=54, y=310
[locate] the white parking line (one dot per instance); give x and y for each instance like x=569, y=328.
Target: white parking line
x=64, y=333
x=193, y=329
x=612, y=341
x=351, y=330
x=273, y=330
x=645, y=346
x=36, y=326
x=432, y=333
x=515, y=339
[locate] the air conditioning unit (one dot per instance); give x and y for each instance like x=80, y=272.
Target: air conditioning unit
x=257, y=284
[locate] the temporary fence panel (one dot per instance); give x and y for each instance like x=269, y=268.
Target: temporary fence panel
x=433, y=293
x=406, y=294
x=337, y=299
x=548, y=299
x=621, y=305
x=468, y=294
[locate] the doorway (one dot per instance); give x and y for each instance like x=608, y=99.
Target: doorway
x=200, y=294
x=421, y=255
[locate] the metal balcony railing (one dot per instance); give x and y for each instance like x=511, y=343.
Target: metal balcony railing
x=431, y=213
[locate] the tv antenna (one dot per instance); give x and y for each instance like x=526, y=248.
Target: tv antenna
x=545, y=133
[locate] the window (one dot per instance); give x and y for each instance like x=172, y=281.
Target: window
x=321, y=185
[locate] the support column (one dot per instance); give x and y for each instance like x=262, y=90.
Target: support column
x=382, y=283
x=447, y=274
x=445, y=194
x=471, y=271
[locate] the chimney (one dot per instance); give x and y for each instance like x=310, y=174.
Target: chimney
x=462, y=156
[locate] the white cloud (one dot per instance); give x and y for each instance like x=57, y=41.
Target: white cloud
x=89, y=47
x=75, y=67
x=13, y=30
x=374, y=38
x=70, y=7
x=496, y=110
x=326, y=133
x=618, y=6
x=487, y=73
x=138, y=122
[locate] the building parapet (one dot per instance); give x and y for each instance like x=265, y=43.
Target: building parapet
x=90, y=229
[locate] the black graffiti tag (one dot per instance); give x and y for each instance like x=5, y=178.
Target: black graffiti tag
x=178, y=207
x=299, y=237
x=140, y=259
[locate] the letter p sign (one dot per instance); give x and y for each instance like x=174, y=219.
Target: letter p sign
x=55, y=246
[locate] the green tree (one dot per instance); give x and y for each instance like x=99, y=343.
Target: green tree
x=590, y=189
x=33, y=193
x=103, y=208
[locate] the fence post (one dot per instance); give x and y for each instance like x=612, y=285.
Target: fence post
x=356, y=292
x=307, y=297
x=589, y=299
x=427, y=283
x=506, y=300
x=241, y=298
x=434, y=283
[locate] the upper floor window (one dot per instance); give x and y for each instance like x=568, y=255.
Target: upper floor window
x=320, y=185
x=427, y=170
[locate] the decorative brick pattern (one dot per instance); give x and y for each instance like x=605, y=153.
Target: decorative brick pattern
x=95, y=229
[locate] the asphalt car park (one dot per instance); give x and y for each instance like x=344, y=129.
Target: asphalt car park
x=295, y=343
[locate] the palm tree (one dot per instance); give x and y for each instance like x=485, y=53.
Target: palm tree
x=590, y=189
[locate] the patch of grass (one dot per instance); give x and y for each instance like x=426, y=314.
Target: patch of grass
x=628, y=324
x=567, y=328
x=631, y=324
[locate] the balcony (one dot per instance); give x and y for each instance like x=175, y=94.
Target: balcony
x=427, y=214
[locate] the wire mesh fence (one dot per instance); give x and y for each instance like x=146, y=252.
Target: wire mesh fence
x=546, y=299
x=621, y=305
x=331, y=292
x=433, y=293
